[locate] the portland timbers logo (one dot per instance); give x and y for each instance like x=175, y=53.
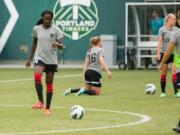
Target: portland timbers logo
x=76, y=18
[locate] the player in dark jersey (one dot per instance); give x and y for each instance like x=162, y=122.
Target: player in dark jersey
x=46, y=39
x=92, y=70
x=165, y=33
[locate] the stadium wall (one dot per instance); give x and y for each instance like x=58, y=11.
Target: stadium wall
x=111, y=14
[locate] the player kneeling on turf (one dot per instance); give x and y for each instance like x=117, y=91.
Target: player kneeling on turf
x=93, y=65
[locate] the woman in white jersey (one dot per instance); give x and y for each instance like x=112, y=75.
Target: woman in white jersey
x=46, y=39
x=93, y=65
x=165, y=33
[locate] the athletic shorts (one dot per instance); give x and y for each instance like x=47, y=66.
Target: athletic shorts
x=92, y=78
x=170, y=60
x=48, y=67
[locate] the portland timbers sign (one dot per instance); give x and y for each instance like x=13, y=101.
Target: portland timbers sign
x=76, y=18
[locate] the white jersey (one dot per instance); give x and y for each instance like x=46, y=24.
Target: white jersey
x=45, y=38
x=166, y=33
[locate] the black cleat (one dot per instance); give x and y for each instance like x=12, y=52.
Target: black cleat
x=176, y=129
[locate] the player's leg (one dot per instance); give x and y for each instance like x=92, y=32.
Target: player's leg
x=70, y=90
x=174, y=80
x=163, y=80
x=94, y=91
x=38, y=70
x=87, y=86
x=79, y=91
x=178, y=78
x=49, y=89
x=177, y=128
x=92, y=83
x=95, y=88
x=84, y=89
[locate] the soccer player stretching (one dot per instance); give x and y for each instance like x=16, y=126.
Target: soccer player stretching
x=165, y=33
x=92, y=70
x=46, y=39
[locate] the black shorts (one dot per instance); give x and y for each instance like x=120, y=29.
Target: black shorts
x=170, y=60
x=93, y=78
x=48, y=67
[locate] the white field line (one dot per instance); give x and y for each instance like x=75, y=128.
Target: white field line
x=143, y=119
x=30, y=79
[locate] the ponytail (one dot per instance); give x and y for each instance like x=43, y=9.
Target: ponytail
x=40, y=21
x=95, y=40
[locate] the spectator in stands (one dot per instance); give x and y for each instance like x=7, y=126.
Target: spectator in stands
x=156, y=23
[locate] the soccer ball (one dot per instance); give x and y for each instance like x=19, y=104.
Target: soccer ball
x=77, y=112
x=150, y=89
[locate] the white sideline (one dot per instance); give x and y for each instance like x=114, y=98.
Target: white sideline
x=30, y=79
x=144, y=119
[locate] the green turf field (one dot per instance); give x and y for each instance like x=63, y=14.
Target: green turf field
x=125, y=93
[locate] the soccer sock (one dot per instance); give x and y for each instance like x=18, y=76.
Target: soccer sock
x=163, y=83
x=90, y=92
x=49, y=94
x=178, y=80
x=38, y=85
x=174, y=81
x=75, y=90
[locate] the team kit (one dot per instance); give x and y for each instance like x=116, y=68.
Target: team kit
x=47, y=38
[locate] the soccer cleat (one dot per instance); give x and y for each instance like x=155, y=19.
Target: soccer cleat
x=176, y=129
x=177, y=95
x=162, y=95
x=67, y=92
x=38, y=105
x=47, y=112
x=80, y=92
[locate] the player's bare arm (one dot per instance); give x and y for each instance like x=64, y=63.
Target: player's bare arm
x=159, y=44
x=85, y=65
x=104, y=66
x=33, y=49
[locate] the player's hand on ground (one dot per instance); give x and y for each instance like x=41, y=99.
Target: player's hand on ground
x=109, y=75
x=57, y=45
x=28, y=64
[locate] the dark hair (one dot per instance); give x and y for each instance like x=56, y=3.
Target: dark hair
x=40, y=21
x=156, y=11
